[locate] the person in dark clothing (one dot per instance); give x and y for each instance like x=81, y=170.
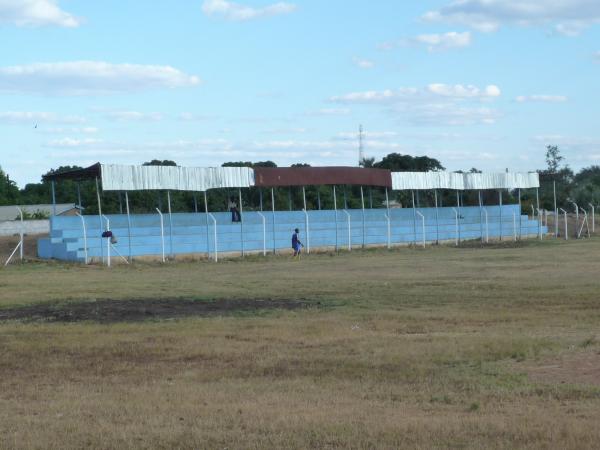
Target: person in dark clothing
x=235, y=214
x=296, y=244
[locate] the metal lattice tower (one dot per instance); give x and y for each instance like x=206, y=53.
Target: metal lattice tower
x=361, y=148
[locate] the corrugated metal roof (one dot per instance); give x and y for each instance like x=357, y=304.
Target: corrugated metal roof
x=467, y=181
x=175, y=178
x=316, y=176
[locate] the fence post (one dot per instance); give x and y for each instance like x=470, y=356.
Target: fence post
x=423, y=219
x=264, y=221
x=273, y=211
x=501, y=227
x=515, y=225
x=566, y=225
x=437, y=219
x=128, y=224
x=215, y=235
x=362, y=202
x=349, y=231
x=389, y=232
x=170, y=225
x=107, y=241
x=242, y=222
x=576, y=218
x=457, y=236
x=162, y=234
x=307, y=226
x=593, y=217
x=487, y=230
x=458, y=214
x=85, y=246
x=336, y=218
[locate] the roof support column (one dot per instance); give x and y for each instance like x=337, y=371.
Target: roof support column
x=207, y=225
x=273, y=210
x=99, y=218
x=500, y=200
x=437, y=218
x=170, y=224
x=336, y=218
x=414, y=218
x=362, y=203
x=520, y=214
x=458, y=210
x=241, y=221
x=480, y=215
x=128, y=224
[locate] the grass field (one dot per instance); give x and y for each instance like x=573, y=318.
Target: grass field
x=494, y=347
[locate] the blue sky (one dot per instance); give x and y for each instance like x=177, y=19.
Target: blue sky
x=474, y=83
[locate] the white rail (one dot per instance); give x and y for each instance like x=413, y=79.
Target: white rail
x=107, y=241
x=566, y=225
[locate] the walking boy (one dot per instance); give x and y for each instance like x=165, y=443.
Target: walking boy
x=296, y=244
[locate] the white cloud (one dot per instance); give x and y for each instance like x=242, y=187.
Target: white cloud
x=446, y=41
x=35, y=13
x=329, y=112
x=436, y=104
x=71, y=130
x=68, y=142
x=385, y=96
x=238, y=12
x=542, y=98
x=461, y=91
x=569, y=17
x=125, y=116
x=33, y=118
x=191, y=117
x=90, y=78
x=363, y=63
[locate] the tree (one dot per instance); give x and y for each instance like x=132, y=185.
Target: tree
x=553, y=158
x=406, y=163
x=9, y=192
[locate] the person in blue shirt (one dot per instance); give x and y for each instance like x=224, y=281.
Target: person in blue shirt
x=296, y=244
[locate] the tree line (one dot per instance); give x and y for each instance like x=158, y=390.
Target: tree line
x=582, y=187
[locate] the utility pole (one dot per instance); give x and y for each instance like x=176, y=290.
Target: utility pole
x=361, y=148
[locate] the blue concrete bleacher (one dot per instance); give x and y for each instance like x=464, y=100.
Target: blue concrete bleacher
x=194, y=233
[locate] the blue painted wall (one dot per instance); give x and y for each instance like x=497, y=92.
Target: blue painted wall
x=188, y=233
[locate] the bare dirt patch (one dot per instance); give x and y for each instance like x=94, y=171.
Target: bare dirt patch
x=571, y=368
x=112, y=311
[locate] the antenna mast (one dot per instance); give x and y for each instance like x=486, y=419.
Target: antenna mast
x=361, y=148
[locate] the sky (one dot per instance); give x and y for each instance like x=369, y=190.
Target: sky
x=473, y=83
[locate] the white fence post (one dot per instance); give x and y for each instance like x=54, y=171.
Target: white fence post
x=162, y=234
x=264, y=221
x=423, y=220
x=593, y=217
x=487, y=230
x=515, y=225
x=566, y=225
x=107, y=241
x=349, y=231
x=215, y=237
x=457, y=231
x=389, y=230
x=85, y=246
x=576, y=217
x=307, y=226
